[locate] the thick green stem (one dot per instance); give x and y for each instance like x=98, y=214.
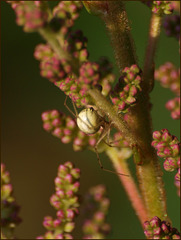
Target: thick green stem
x=149, y=173
x=140, y=126
x=120, y=164
x=154, y=33
x=118, y=27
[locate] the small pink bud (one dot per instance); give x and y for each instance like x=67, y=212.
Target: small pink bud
x=56, y=223
x=60, y=214
x=45, y=116
x=66, y=139
x=69, y=193
x=47, y=126
x=68, y=178
x=70, y=214
x=166, y=137
x=60, y=193
x=175, y=149
x=48, y=221
x=58, y=182
x=157, y=135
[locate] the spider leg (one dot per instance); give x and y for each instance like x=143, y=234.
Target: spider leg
x=105, y=132
x=65, y=104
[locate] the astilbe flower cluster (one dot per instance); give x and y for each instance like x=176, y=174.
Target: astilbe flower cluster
x=171, y=25
x=126, y=90
x=64, y=15
x=160, y=7
x=9, y=207
x=157, y=229
x=32, y=15
x=59, y=71
x=66, y=203
x=169, y=77
x=97, y=205
x=168, y=147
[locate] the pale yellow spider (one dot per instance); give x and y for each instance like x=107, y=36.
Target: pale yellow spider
x=89, y=121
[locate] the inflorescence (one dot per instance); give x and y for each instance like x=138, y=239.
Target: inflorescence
x=169, y=77
x=157, y=229
x=9, y=207
x=126, y=90
x=97, y=205
x=168, y=147
x=160, y=7
x=66, y=203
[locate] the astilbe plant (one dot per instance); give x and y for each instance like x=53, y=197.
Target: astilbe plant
x=125, y=104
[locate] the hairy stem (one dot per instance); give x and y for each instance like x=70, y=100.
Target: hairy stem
x=154, y=33
x=139, y=126
x=118, y=27
x=149, y=174
x=121, y=166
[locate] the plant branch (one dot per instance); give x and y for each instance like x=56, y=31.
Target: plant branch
x=118, y=27
x=154, y=33
x=121, y=166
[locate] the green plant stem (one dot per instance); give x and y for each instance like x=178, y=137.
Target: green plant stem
x=118, y=27
x=121, y=166
x=154, y=33
x=139, y=124
x=149, y=173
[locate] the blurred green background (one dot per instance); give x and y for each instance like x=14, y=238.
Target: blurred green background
x=32, y=155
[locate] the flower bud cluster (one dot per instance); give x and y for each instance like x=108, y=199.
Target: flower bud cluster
x=97, y=205
x=9, y=207
x=65, y=201
x=76, y=45
x=65, y=128
x=157, y=229
x=173, y=106
x=168, y=147
x=64, y=15
x=171, y=25
x=125, y=92
x=169, y=77
x=51, y=66
x=90, y=74
x=160, y=7
x=32, y=15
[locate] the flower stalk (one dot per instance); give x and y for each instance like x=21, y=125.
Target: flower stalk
x=118, y=159
x=139, y=131
x=154, y=33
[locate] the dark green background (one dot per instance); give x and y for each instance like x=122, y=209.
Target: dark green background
x=32, y=155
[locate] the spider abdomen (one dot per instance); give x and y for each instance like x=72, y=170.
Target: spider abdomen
x=89, y=121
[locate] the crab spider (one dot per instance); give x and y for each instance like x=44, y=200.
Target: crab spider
x=89, y=121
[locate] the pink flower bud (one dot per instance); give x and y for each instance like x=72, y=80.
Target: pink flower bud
x=157, y=135
x=60, y=214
